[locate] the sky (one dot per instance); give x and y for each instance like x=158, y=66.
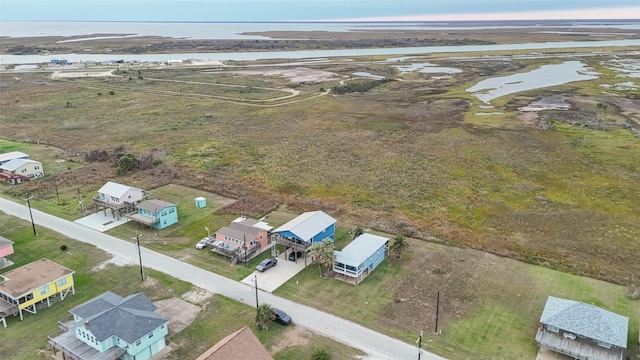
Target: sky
x=313, y=10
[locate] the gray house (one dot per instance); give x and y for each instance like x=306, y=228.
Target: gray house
x=110, y=327
x=582, y=331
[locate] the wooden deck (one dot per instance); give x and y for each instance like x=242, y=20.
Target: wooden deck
x=576, y=347
x=75, y=349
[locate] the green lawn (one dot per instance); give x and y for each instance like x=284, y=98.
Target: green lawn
x=220, y=316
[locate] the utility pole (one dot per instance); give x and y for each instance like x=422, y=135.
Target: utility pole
x=255, y=281
x=79, y=200
x=139, y=255
x=419, y=341
x=31, y=215
x=437, y=310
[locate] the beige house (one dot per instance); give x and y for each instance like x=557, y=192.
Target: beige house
x=19, y=170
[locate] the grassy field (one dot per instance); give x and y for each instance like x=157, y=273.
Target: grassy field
x=408, y=157
x=218, y=318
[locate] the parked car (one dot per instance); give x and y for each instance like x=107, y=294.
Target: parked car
x=266, y=264
x=202, y=244
x=295, y=255
x=281, y=317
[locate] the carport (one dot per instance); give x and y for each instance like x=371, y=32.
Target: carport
x=277, y=275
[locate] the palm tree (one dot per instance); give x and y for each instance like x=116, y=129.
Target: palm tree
x=358, y=231
x=264, y=316
x=323, y=254
x=320, y=354
x=399, y=245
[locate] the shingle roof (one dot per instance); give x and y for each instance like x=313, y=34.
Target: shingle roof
x=27, y=278
x=308, y=224
x=242, y=344
x=115, y=189
x=586, y=320
x=127, y=318
x=239, y=231
x=154, y=205
x=360, y=249
x=14, y=164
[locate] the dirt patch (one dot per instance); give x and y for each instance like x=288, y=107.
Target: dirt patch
x=456, y=272
x=197, y=296
x=80, y=74
x=293, y=337
x=179, y=312
x=114, y=260
x=295, y=75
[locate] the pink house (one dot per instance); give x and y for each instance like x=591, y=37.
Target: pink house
x=6, y=249
x=243, y=239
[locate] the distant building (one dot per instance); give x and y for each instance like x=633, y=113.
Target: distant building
x=155, y=213
x=305, y=229
x=19, y=170
x=356, y=261
x=12, y=155
x=242, y=344
x=112, y=327
x=31, y=284
x=582, y=331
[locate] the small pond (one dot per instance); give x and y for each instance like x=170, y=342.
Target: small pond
x=368, y=75
x=547, y=75
x=426, y=68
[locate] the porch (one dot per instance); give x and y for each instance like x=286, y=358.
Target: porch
x=73, y=348
x=575, y=346
x=295, y=244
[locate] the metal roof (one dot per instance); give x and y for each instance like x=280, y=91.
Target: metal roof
x=15, y=164
x=115, y=189
x=586, y=320
x=360, y=249
x=12, y=155
x=128, y=318
x=307, y=225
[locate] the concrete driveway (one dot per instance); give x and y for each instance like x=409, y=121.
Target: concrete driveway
x=100, y=222
x=276, y=276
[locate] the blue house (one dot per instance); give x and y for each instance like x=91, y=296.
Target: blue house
x=155, y=213
x=360, y=257
x=112, y=327
x=306, y=229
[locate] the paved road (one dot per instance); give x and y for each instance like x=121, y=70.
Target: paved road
x=378, y=346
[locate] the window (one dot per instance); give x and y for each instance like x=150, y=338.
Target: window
x=162, y=326
x=138, y=343
x=24, y=170
x=37, y=167
x=604, y=344
x=552, y=328
x=150, y=335
x=44, y=290
x=62, y=282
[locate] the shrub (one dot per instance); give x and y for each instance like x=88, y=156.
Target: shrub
x=63, y=247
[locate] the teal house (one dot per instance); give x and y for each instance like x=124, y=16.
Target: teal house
x=112, y=327
x=155, y=213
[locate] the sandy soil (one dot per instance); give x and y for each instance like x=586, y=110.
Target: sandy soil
x=296, y=75
x=80, y=74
